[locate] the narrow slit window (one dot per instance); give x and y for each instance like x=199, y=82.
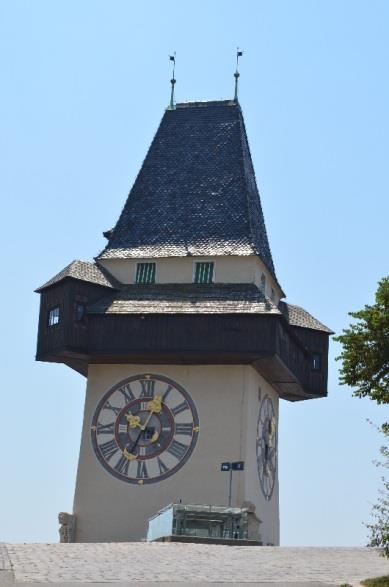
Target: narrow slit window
x=263, y=283
x=145, y=273
x=316, y=362
x=203, y=273
x=53, y=316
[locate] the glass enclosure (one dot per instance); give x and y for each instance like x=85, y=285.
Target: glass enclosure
x=200, y=521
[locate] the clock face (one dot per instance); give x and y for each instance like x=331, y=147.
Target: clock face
x=144, y=429
x=267, y=447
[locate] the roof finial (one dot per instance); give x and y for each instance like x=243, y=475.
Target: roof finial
x=172, y=81
x=237, y=74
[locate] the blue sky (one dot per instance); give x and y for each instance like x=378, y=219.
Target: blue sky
x=84, y=85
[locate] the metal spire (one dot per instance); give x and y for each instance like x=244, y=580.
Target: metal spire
x=237, y=74
x=172, y=81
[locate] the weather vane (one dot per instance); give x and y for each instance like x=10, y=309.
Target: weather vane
x=172, y=81
x=237, y=74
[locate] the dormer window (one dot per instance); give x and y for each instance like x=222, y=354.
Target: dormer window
x=145, y=273
x=203, y=272
x=53, y=317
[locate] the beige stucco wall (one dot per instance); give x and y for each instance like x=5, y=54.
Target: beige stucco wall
x=228, y=269
x=267, y=511
x=226, y=398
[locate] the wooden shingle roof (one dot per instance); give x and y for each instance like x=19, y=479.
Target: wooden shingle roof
x=190, y=298
x=83, y=271
x=297, y=316
x=183, y=298
x=218, y=298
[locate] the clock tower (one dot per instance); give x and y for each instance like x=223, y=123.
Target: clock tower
x=180, y=329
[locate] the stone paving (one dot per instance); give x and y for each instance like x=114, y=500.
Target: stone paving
x=5, y=563
x=6, y=574
x=190, y=563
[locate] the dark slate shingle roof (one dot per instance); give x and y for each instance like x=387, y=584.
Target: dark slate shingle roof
x=196, y=192
x=186, y=299
x=297, y=316
x=84, y=271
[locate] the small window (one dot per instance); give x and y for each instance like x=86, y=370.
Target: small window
x=272, y=294
x=53, y=317
x=263, y=282
x=145, y=273
x=316, y=362
x=203, y=273
x=80, y=311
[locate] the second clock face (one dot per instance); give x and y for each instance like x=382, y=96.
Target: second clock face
x=267, y=447
x=144, y=429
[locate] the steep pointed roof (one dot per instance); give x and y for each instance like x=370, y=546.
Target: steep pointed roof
x=196, y=192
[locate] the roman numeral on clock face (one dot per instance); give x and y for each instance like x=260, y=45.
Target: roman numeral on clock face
x=126, y=392
x=142, y=470
x=122, y=465
x=105, y=428
x=108, y=449
x=148, y=386
x=115, y=409
x=162, y=467
x=186, y=429
x=180, y=408
x=177, y=449
x=166, y=393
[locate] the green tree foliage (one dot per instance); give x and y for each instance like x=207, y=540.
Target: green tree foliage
x=365, y=354
x=365, y=367
x=379, y=529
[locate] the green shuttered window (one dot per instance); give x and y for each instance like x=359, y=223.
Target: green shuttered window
x=203, y=273
x=145, y=273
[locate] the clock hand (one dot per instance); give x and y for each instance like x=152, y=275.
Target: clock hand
x=129, y=453
x=155, y=406
x=133, y=421
x=154, y=437
x=272, y=429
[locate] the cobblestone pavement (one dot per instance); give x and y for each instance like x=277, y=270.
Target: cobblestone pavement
x=191, y=563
